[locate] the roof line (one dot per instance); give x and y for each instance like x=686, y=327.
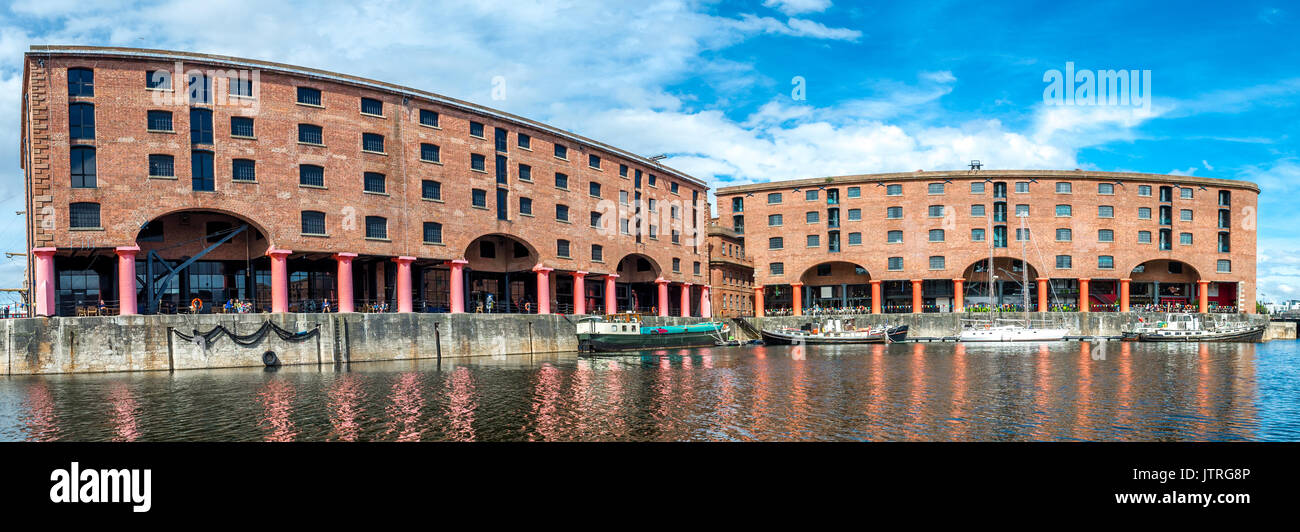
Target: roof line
x=994, y=174
x=356, y=80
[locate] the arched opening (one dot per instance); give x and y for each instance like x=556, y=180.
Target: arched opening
x=635, y=289
x=212, y=257
x=1170, y=285
x=1014, y=283
x=499, y=276
x=837, y=285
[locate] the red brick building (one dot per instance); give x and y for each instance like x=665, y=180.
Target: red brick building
x=731, y=273
x=292, y=188
x=1090, y=241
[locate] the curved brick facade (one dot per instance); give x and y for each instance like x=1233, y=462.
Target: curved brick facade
x=131, y=192
x=1104, y=245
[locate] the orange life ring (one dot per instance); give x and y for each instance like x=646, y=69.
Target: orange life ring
x=196, y=304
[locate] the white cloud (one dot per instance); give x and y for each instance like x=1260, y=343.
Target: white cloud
x=796, y=7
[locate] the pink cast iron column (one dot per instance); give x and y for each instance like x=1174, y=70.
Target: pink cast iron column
x=686, y=299
x=279, y=279
x=706, y=305
x=662, y=301
x=543, y=288
x=404, y=283
x=126, y=280
x=611, y=300
x=579, y=293
x=345, y=281
x=457, y=283
x=44, y=281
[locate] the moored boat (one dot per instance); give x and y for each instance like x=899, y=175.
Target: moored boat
x=625, y=332
x=834, y=332
x=1188, y=328
x=1009, y=331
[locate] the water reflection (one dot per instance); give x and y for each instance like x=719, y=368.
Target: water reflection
x=1050, y=391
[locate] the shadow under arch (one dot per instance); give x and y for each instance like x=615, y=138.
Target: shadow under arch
x=1009, y=283
x=499, y=275
x=635, y=287
x=836, y=284
x=1164, y=281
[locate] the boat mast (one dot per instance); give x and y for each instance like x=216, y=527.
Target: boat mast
x=1024, y=265
x=989, y=266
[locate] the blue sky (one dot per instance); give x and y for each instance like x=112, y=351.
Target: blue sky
x=889, y=86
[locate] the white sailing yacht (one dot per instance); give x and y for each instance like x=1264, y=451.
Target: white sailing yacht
x=1007, y=330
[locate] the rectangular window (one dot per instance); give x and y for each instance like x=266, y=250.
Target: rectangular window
x=241, y=126
x=430, y=153
x=895, y=264
x=428, y=118
x=977, y=210
x=622, y=197
x=1225, y=198
x=894, y=190
x=1106, y=189
x=1063, y=187
x=1144, y=213
x=476, y=130
x=855, y=239
x=1185, y=239
x=977, y=235
x=1144, y=190
x=894, y=237
x=561, y=181
x=478, y=161
x=814, y=241
x=812, y=217
x=431, y=190
x=1185, y=215
x=81, y=82
x=201, y=172
x=377, y=227
x=593, y=189
x=313, y=223
x=650, y=179
x=1022, y=187
x=1105, y=211
x=561, y=152
x=1105, y=235
x=478, y=198
x=893, y=213
x=1105, y=262
x=677, y=265
x=374, y=182
x=309, y=134
x=562, y=248
x=622, y=171
x=595, y=219
x=1022, y=234
x=774, y=220
x=977, y=188
x=1185, y=192
x=432, y=233
x=525, y=173
x=598, y=255
x=1063, y=235
x=200, y=89
x=593, y=161
x=311, y=175
x=936, y=235
x=937, y=263
x=1064, y=262
x=162, y=166
x=200, y=126
x=81, y=121
x=243, y=170
x=1063, y=210
x=855, y=215
x=936, y=211
x=1224, y=266
x=372, y=142
x=562, y=213
x=526, y=206
x=776, y=268
x=83, y=215
x=810, y=195
x=935, y=188
x=524, y=141
x=1022, y=210
x=158, y=79
x=775, y=242
x=371, y=106
x=501, y=139
x=855, y=192
x=309, y=96
x=1144, y=237
x=774, y=198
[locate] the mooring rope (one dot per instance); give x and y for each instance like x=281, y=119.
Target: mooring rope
x=206, y=339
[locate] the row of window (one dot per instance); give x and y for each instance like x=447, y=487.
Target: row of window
x=1021, y=187
x=978, y=235
x=938, y=262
